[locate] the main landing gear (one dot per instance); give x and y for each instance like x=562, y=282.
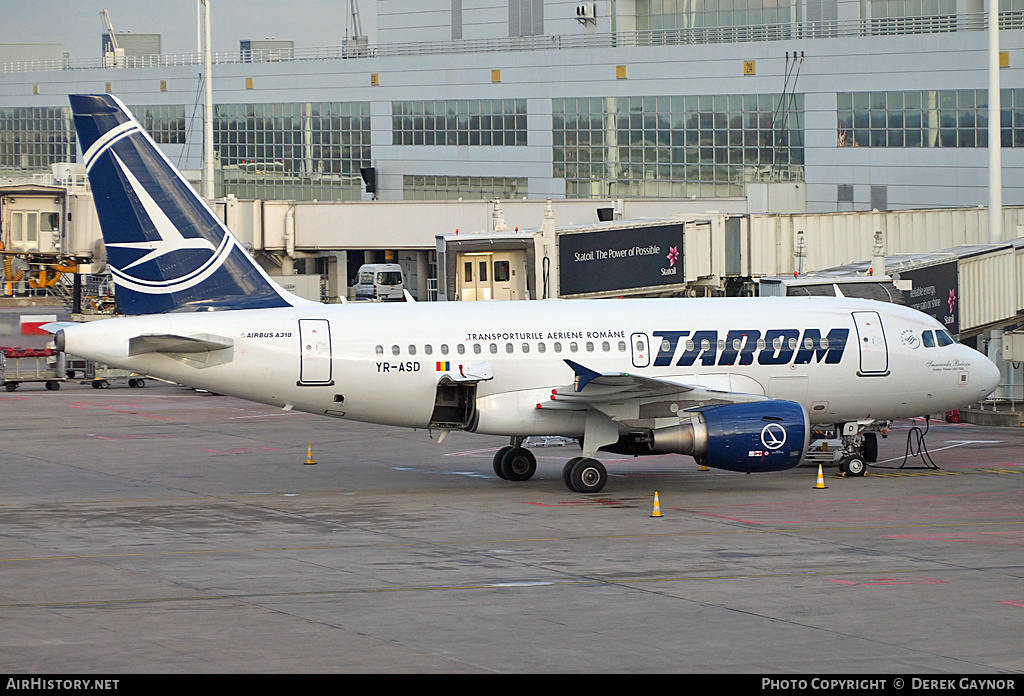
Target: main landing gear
x=580, y=474
x=515, y=463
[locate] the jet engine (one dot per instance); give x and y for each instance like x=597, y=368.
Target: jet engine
x=758, y=436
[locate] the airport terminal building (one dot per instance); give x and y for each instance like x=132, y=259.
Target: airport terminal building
x=873, y=104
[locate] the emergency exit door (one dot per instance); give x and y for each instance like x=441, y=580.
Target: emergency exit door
x=315, y=352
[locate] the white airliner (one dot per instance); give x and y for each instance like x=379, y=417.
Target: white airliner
x=736, y=383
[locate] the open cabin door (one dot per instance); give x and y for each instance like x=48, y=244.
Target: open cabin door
x=455, y=398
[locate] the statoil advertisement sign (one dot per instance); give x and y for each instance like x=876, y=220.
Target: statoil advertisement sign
x=620, y=259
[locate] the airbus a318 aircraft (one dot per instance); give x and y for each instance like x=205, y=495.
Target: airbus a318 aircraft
x=736, y=383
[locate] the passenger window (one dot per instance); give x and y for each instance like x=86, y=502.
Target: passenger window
x=590, y=347
x=412, y=350
x=461, y=348
x=428, y=349
x=928, y=339
x=622, y=346
x=477, y=348
x=573, y=347
x=444, y=349
x=508, y=348
x=605, y=346
x=379, y=350
x=558, y=347
x=493, y=348
x=395, y=350
x=541, y=348
x=526, y=347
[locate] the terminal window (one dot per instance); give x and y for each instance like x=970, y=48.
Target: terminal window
x=678, y=146
x=298, y=151
x=926, y=118
x=500, y=122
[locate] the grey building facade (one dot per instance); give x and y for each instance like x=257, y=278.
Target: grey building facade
x=865, y=104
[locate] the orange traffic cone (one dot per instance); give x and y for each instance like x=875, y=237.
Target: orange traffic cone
x=821, y=479
x=309, y=455
x=657, y=506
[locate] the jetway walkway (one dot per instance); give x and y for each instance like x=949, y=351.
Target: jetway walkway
x=970, y=289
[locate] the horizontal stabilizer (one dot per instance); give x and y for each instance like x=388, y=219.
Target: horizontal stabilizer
x=55, y=326
x=169, y=343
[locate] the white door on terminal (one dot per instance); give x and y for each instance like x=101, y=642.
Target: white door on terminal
x=492, y=275
x=508, y=275
x=475, y=276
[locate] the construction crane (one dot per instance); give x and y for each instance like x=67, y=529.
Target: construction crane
x=113, y=58
x=356, y=44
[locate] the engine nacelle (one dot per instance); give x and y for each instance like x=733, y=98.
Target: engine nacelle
x=757, y=436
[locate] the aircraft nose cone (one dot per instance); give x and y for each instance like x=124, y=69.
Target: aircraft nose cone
x=990, y=376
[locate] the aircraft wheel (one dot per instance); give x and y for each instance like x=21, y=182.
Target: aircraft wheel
x=588, y=476
x=870, y=447
x=853, y=465
x=567, y=473
x=496, y=462
x=518, y=464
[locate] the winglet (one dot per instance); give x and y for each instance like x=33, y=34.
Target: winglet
x=584, y=375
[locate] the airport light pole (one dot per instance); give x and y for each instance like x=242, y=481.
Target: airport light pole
x=208, y=106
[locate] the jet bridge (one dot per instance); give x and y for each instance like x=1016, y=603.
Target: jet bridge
x=969, y=289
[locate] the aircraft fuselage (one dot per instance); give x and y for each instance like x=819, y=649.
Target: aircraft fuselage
x=841, y=359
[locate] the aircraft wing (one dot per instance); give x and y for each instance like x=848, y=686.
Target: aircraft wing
x=636, y=400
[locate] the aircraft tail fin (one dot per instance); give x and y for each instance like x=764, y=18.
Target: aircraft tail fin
x=167, y=249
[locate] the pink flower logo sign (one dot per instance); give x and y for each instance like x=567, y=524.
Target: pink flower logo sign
x=673, y=254
x=952, y=300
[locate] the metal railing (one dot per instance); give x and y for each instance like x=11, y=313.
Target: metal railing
x=1011, y=398
x=971, y=21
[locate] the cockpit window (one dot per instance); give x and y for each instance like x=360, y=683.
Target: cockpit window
x=944, y=338
x=928, y=339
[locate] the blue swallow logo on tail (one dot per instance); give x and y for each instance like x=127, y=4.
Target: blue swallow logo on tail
x=167, y=249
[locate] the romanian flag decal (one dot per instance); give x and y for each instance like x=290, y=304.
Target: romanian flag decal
x=443, y=366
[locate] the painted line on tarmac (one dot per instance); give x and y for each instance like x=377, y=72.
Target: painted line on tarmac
x=512, y=584
x=1012, y=538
